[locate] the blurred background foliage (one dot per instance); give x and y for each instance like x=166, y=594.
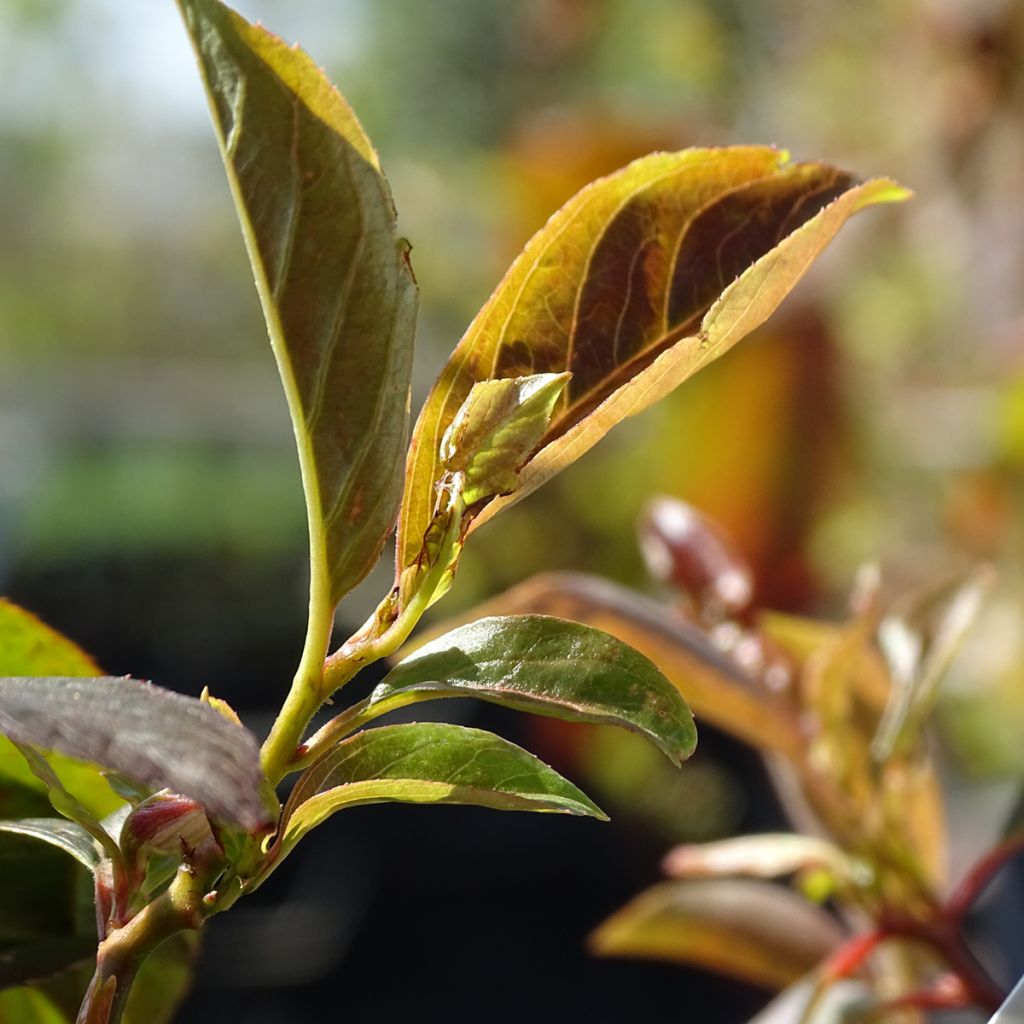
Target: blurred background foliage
x=149, y=498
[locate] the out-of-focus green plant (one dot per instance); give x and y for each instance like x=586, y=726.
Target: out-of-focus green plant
x=839, y=711
x=639, y=281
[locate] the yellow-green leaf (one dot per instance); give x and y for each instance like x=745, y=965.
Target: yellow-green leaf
x=334, y=280
x=752, y=930
x=636, y=283
x=496, y=428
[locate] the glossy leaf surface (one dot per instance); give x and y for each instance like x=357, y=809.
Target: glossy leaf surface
x=153, y=736
x=334, y=279
x=547, y=666
x=636, y=283
x=428, y=763
x=752, y=930
x=712, y=685
x=65, y=835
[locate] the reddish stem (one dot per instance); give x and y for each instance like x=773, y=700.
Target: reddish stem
x=977, y=879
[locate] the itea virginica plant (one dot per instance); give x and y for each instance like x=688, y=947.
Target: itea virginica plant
x=638, y=282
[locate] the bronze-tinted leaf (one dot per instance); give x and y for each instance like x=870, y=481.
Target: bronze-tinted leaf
x=635, y=284
x=334, y=279
x=752, y=930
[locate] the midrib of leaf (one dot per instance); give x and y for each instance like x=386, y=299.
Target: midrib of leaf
x=321, y=610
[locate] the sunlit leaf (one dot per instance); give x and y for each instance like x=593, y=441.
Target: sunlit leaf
x=759, y=856
x=752, y=930
x=636, y=283
x=66, y=835
x=334, y=279
x=155, y=737
x=547, y=666
x=428, y=763
x=714, y=687
x=496, y=428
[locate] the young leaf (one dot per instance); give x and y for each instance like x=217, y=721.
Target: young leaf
x=752, y=930
x=428, y=763
x=153, y=736
x=714, y=687
x=337, y=290
x=66, y=835
x=635, y=284
x=496, y=428
x=547, y=666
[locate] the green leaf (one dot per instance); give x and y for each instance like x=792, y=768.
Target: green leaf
x=28, y=647
x=634, y=285
x=163, y=980
x=714, y=687
x=334, y=279
x=66, y=835
x=427, y=763
x=25, y=1005
x=751, y=930
x=496, y=428
x=153, y=736
x=548, y=666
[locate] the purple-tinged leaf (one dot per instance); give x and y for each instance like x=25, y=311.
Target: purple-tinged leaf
x=155, y=737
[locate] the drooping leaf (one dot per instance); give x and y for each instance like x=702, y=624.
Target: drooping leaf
x=66, y=835
x=547, y=666
x=496, y=428
x=28, y=647
x=752, y=930
x=155, y=737
x=337, y=290
x=636, y=283
x=714, y=687
x=428, y=763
